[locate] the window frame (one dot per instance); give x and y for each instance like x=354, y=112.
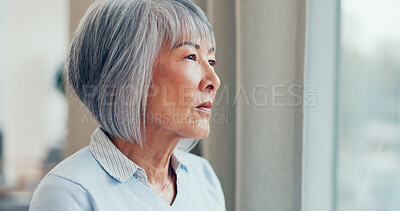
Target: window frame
x=320, y=121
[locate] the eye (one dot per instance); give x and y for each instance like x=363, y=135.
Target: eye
x=191, y=57
x=212, y=62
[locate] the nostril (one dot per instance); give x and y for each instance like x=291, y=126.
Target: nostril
x=211, y=87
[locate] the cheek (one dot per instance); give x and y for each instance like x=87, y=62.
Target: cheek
x=185, y=75
x=180, y=87
x=172, y=95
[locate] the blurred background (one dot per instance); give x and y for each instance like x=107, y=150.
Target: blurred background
x=336, y=150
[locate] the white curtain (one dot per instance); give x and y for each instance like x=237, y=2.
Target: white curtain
x=255, y=145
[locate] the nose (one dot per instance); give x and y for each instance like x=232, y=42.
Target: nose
x=210, y=81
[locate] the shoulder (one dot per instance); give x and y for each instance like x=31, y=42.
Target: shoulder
x=199, y=164
x=201, y=171
x=58, y=193
x=80, y=161
x=67, y=186
x=193, y=161
x=81, y=168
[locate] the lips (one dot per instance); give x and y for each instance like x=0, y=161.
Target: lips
x=205, y=107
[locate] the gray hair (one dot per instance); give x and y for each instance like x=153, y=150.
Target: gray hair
x=113, y=53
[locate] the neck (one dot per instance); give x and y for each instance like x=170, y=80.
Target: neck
x=154, y=157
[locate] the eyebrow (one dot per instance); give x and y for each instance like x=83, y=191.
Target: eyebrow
x=197, y=46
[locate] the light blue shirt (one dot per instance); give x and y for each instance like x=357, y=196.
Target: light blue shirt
x=100, y=177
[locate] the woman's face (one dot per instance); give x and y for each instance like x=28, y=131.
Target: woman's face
x=183, y=89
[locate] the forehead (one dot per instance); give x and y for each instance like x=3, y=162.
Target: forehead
x=197, y=45
x=183, y=21
x=195, y=35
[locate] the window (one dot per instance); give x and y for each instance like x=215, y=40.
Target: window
x=352, y=136
x=368, y=135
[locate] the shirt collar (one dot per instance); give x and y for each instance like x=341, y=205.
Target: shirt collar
x=115, y=163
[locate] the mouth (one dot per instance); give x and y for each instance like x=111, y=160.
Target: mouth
x=205, y=107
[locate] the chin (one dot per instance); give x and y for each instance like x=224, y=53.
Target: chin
x=199, y=132
x=203, y=136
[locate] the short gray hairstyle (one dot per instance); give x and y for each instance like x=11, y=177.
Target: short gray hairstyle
x=113, y=54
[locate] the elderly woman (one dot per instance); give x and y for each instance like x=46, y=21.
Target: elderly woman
x=145, y=70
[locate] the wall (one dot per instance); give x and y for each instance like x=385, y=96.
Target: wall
x=34, y=110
